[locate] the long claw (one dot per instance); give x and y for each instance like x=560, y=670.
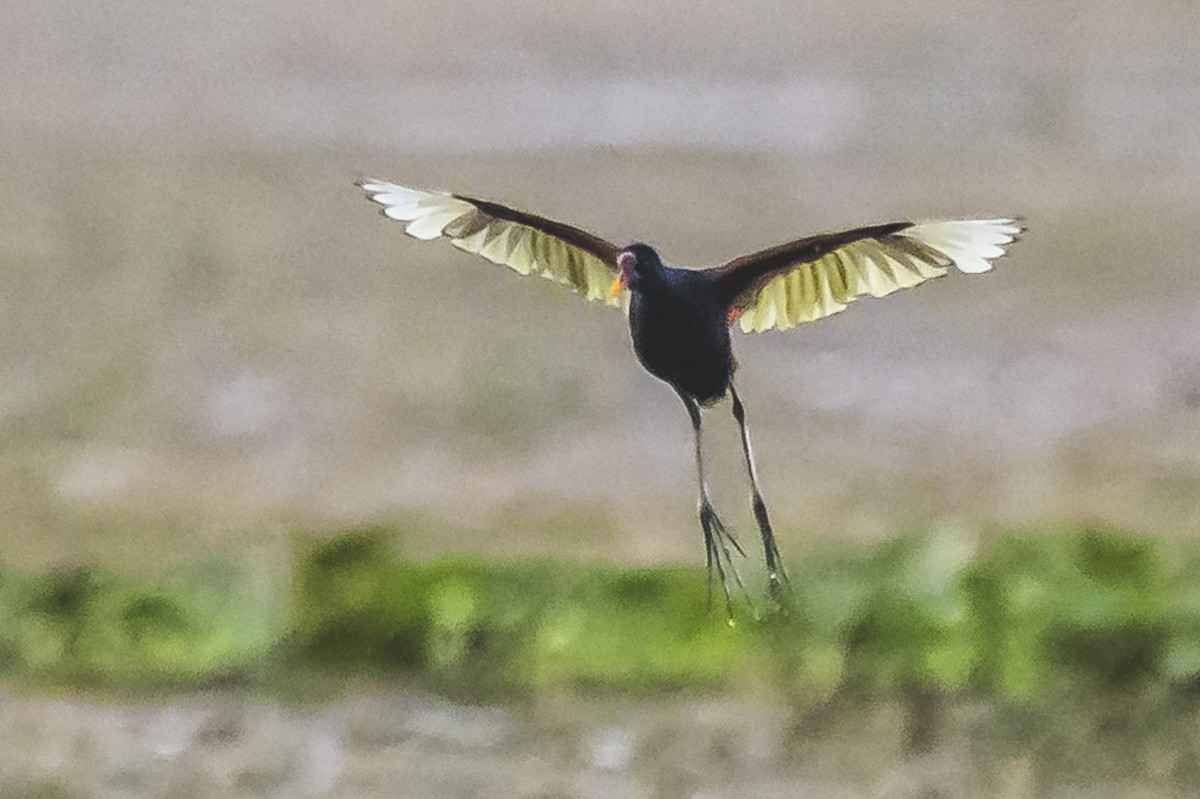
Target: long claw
x=708, y=561
x=732, y=539
x=717, y=541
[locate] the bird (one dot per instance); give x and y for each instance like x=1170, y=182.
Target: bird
x=681, y=319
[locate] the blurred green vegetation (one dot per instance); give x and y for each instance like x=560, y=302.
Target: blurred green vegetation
x=88, y=626
x=1024, y=617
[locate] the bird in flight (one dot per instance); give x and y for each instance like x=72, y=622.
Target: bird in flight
x=680, y=319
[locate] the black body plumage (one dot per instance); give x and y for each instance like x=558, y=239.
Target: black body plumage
x=679, y=325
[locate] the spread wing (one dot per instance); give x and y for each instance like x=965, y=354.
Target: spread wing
x=820, y=275
x=528, y=244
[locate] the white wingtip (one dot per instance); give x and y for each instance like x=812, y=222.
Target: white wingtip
x=427, y=212
x=971, y=244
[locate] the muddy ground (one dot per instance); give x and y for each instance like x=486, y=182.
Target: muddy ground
x=394, y=742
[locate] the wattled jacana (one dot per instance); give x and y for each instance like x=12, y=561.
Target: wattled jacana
x=679, y=319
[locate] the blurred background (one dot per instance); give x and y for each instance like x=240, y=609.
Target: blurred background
x=217, y=359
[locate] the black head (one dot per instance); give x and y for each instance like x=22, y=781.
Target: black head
x=636, y=263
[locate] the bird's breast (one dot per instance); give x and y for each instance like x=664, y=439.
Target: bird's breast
x=684, y=341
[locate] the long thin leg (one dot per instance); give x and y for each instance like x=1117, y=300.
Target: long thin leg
x=776, y=574
x=717, y=539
